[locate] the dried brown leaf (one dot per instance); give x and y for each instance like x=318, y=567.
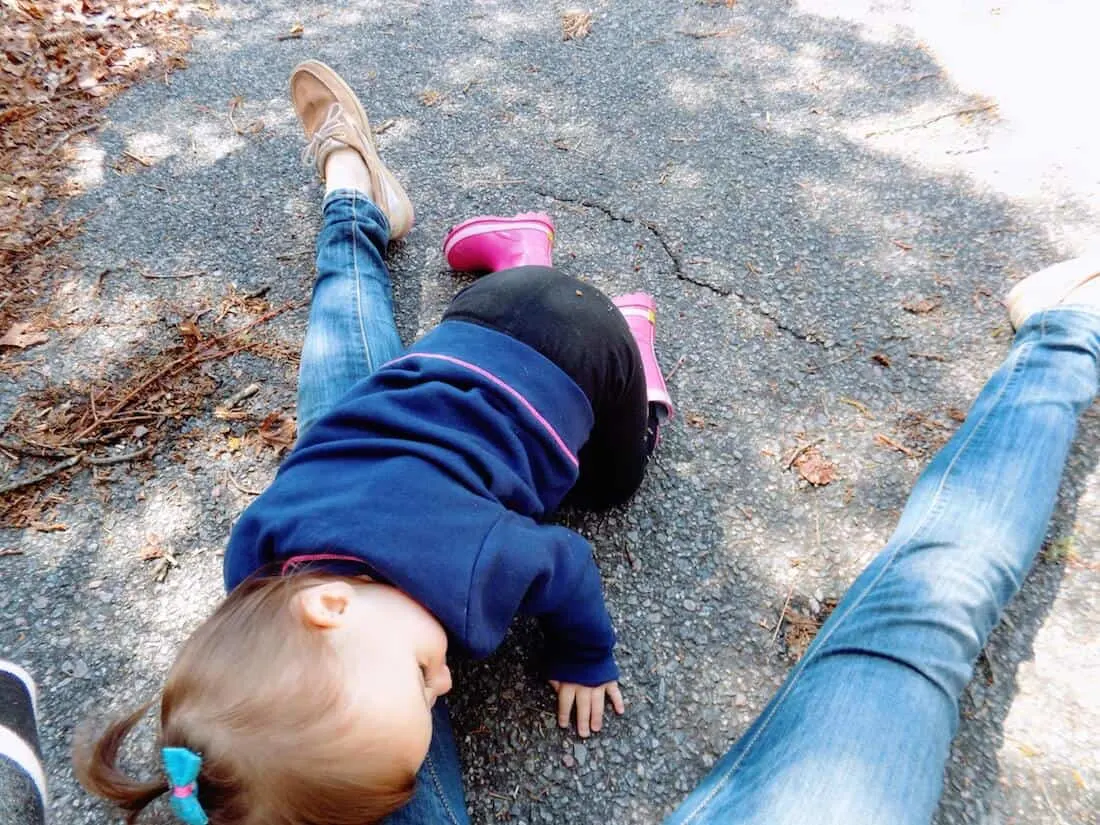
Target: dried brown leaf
x=922, y=306
x=278, y=431
x=815, y=468
x=151, y=552
x=22, y=336
x=191, y=334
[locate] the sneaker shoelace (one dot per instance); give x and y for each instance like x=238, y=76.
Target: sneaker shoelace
x=334, y=123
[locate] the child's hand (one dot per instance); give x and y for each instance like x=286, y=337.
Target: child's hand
x=589, y=701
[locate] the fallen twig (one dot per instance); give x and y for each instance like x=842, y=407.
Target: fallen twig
x=118, y=459
x=241, y=488
x=11, y=551
x=233, y=105
x=679, y=363
x=239, y=396
x=111, y=436
x=708, y=34
x=42, y=476
x=973, y=110
x=859, y=405
x=384, y=126
x=499, y=182
x=137, y=158
x=782, y=613
x=886, y=441
x=153, y=276
x=34, y=450
x=183, y=363
x=65, y=138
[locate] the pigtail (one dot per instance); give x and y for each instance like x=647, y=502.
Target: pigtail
x=96, y=766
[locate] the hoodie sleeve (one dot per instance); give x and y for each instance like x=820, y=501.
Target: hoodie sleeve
x=547, y=572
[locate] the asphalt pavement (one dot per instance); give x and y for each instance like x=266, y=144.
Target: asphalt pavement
x=828, y=200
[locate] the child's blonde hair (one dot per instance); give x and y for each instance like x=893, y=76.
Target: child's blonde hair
x=257, y=693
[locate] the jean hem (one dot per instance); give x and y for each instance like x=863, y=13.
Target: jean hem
x=357, y=198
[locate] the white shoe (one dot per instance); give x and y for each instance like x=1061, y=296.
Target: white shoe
x=20, y=755
x=1072, y=282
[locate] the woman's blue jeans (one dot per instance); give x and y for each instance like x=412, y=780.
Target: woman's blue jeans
x=860, y=731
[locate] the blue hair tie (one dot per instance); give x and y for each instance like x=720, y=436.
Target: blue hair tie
x=182, y=766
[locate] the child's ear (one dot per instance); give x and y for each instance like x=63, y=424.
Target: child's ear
x=325, y=605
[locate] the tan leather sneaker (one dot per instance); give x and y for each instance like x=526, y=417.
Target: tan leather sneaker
x=1075, y=282
x=333, y=118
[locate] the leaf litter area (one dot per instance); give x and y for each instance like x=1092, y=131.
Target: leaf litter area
x=61, y=62
x=147, y=407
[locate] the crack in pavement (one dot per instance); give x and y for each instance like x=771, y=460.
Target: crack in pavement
x=805, y=337
x=678, y=264
x=654, y=229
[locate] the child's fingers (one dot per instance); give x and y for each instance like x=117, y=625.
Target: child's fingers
x=566, y=695
x=584, y=712
x=616, y=697
x=555, y=684
x=597, y=708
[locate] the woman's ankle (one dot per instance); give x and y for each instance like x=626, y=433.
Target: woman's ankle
x=345, y=169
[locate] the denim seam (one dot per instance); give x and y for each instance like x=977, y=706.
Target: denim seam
x=354, y=194
x=934, y=510
x=439, y=790
x=358, y=285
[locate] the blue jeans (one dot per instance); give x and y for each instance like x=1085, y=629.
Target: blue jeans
x=859, y=732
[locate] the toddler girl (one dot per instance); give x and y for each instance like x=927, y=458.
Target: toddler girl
x=410, y=515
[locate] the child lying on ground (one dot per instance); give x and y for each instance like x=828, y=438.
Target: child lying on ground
x=410, y=514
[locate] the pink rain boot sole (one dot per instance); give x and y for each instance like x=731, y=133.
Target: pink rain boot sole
x=640, y=311
x=490, y=243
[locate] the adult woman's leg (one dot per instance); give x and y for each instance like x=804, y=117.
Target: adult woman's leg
x=860, y=731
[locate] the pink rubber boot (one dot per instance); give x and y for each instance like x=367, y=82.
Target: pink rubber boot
x=640, y=311
x=490, y=243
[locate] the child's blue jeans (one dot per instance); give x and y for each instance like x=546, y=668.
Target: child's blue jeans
x=860, y=731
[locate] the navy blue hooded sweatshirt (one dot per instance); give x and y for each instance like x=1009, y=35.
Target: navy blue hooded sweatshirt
x=434, y=475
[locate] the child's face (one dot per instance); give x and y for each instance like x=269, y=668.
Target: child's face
x=394, y=654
